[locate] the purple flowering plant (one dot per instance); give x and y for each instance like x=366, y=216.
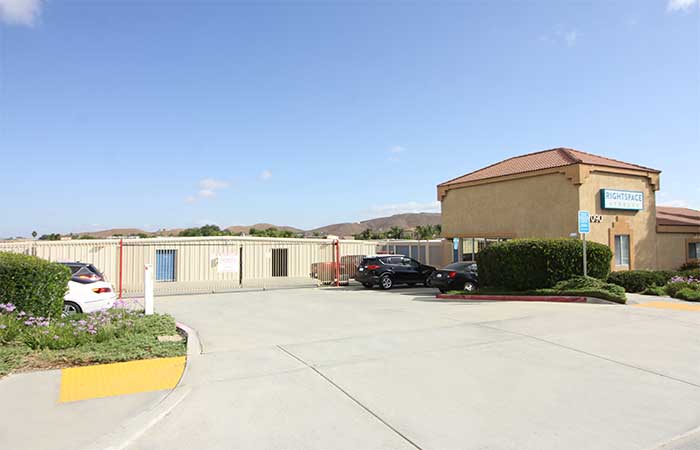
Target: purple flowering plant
x=65, y=332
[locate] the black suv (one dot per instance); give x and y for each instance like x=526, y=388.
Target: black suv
x=388, y=270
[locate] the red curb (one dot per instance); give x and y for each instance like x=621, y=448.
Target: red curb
x=515, y=298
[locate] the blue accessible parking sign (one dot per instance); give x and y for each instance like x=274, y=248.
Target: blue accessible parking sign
x=584, y=222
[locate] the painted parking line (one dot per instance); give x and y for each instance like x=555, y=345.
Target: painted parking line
x=107, y=380
x=670, y=305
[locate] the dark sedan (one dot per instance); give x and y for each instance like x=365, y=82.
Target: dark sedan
x=459, y=276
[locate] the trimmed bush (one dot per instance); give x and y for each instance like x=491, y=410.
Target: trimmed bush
x=678, y=284
x=524, y=264
x=591, y=287
x=688, y=294
x=33, y=285
x=640, y=280
x=689, y=266
x=577, y=286
x=691, y=273
x=655, y=290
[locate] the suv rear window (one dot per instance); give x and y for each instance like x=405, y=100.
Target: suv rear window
x=368, y=261
x=395, y=260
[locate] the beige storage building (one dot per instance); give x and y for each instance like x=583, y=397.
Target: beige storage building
x=539, y=194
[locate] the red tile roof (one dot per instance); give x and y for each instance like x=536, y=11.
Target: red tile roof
x=669, y=215
x=546, y=159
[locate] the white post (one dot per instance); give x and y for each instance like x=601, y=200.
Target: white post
x=148, y=289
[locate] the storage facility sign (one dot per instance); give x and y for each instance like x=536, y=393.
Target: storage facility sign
x=617, y=199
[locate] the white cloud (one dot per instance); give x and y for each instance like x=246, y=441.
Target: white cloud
x=212, y=185
x=570, y=37
x=400, y=208
x=20, y=12
x=680, y=5
x=561, y=35
x=394, y=153
x=208, y=188
x=265, y=175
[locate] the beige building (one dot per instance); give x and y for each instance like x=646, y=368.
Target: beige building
x=538, y=195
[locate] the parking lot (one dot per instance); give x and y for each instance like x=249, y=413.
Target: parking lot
x=352, y=368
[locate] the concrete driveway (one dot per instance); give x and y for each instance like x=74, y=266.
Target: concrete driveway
x=355, y=369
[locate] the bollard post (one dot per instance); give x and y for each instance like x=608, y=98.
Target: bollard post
x=148, y=289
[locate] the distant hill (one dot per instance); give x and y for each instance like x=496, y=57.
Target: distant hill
x=237, y=229
x=405, y=221
x=103, y=234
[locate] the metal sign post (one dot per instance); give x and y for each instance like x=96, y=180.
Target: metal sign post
x=584, y=227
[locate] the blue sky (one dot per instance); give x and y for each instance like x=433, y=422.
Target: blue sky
x=162, y=113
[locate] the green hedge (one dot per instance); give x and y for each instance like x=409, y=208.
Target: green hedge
x=640, y=280
x=690, y=266
x=524, y=264
x=33, y=285
x=577, y=286
x=691, y=295
x=591, y=287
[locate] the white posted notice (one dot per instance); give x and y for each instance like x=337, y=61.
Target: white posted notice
x=226, y=263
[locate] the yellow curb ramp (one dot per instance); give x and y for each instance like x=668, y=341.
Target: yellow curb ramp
x=107, y=380
x=670, y=305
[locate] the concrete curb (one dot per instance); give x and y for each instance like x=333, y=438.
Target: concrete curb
x=194, y=345
x=131, y=430
x=514, y=298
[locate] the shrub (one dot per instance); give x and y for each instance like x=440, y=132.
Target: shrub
x=678, y=284
x=33, y=285
x=591, y=287
x=691, y=265
x=655, y=290
x=523, y=264
x=639, y=280
x=691, y=273
x=577, y=286
x=689, y=294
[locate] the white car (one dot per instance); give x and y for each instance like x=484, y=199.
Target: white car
x=88, y=290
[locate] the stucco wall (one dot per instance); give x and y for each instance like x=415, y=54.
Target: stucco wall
x=641, y=225
x=540, y=206
x=672, y=249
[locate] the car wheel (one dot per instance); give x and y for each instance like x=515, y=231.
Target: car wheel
x=469, y=286
x=386, y=282
x=70, y=308
x=367, y=285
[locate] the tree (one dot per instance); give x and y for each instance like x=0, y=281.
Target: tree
x=206, y=230
x=273, y=232
x=365, y=235
x=50, y=237
x=395, y=233
x=424, y=232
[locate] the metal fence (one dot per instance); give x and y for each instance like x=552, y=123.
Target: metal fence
x=212, y=264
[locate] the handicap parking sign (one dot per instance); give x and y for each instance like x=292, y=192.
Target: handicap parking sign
x=584, y=222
